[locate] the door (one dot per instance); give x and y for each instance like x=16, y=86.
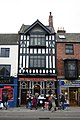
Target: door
x=23, y=96
x=73, y=96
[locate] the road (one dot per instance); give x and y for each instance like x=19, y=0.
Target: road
x=24, y=114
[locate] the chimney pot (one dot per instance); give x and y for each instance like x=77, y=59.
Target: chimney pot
x=50, y=13
x=61, y=30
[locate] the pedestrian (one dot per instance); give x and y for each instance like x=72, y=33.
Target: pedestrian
x=34, y=102
x=63, y=101
x=50, y=102
x=29, y=102
x=59, y=102
x=53, y=102
x=5, y=100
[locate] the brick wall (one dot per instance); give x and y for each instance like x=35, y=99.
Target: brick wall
x=60, y=54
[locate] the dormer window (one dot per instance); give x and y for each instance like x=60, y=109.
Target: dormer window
x=62, y=37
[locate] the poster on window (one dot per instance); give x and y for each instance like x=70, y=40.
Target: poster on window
x=9, y=92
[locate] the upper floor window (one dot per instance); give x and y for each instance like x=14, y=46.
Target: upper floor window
x=37, y=61
x=4, y=52
x=38, y=40
x=70, y=69
x=5, y=70
x=69, y=49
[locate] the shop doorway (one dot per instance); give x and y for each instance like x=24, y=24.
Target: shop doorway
x=23, y=96
x=73, y=96
x=36, y=89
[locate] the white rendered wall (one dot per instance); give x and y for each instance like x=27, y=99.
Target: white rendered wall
x=12, y=59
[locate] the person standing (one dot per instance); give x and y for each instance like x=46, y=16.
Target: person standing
x=5, y=100
x=29, y=102
x=53, y=102
x=62, y=101
x=50, y=102
x=34, y=102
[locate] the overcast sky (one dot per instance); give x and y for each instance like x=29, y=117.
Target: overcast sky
x=14, y=13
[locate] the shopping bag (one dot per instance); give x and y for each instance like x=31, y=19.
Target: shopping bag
x=1, y=105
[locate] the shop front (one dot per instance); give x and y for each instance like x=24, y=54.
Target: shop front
x=35, y=86
x=71, y=89
x=9, y=86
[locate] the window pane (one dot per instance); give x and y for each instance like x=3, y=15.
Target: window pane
x=69, y=48
x=70, y=69
x=5, y=70
x=4, y=52
x=31, y=41
x=37, y=40
x=71, y=66
x=37, y=61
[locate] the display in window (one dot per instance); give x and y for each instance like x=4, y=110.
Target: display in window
x=9, y=92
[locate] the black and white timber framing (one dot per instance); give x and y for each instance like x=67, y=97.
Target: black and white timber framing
x=37, y=50
x=37, y=61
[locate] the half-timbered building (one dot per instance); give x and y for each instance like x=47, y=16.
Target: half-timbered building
x=36, y=63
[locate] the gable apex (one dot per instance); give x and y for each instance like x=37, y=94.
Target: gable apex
x=37, y=22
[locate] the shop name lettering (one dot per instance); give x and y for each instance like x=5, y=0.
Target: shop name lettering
x=71, y=82
x=4, y=81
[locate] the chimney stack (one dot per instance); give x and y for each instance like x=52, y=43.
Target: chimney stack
x=50, y=20
x=61, y=30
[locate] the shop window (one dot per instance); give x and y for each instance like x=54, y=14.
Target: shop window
x=9, y=92
x=66, y=93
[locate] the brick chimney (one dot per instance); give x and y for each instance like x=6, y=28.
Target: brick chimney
x=50, y=20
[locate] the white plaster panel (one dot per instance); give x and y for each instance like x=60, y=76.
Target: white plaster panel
x=12, y=59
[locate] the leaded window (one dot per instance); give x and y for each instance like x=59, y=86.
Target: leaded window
x=37, y=61
x=37, y=40
x=70, y=69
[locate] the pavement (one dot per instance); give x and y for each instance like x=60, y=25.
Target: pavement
x=24, y=109
x=22, y=113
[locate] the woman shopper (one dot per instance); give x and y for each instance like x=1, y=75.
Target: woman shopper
x=34, y=102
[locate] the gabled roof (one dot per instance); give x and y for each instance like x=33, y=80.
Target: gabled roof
x=68, y=37
x=9, y=39
x=26, y=28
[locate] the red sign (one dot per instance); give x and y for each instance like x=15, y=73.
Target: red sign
x=7, y=86
x=38, y=79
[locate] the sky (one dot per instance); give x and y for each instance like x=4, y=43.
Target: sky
x=14, y=13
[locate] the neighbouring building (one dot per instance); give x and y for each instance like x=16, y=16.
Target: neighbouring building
x=68, y=65
x=8, y=67
x=36, y=62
